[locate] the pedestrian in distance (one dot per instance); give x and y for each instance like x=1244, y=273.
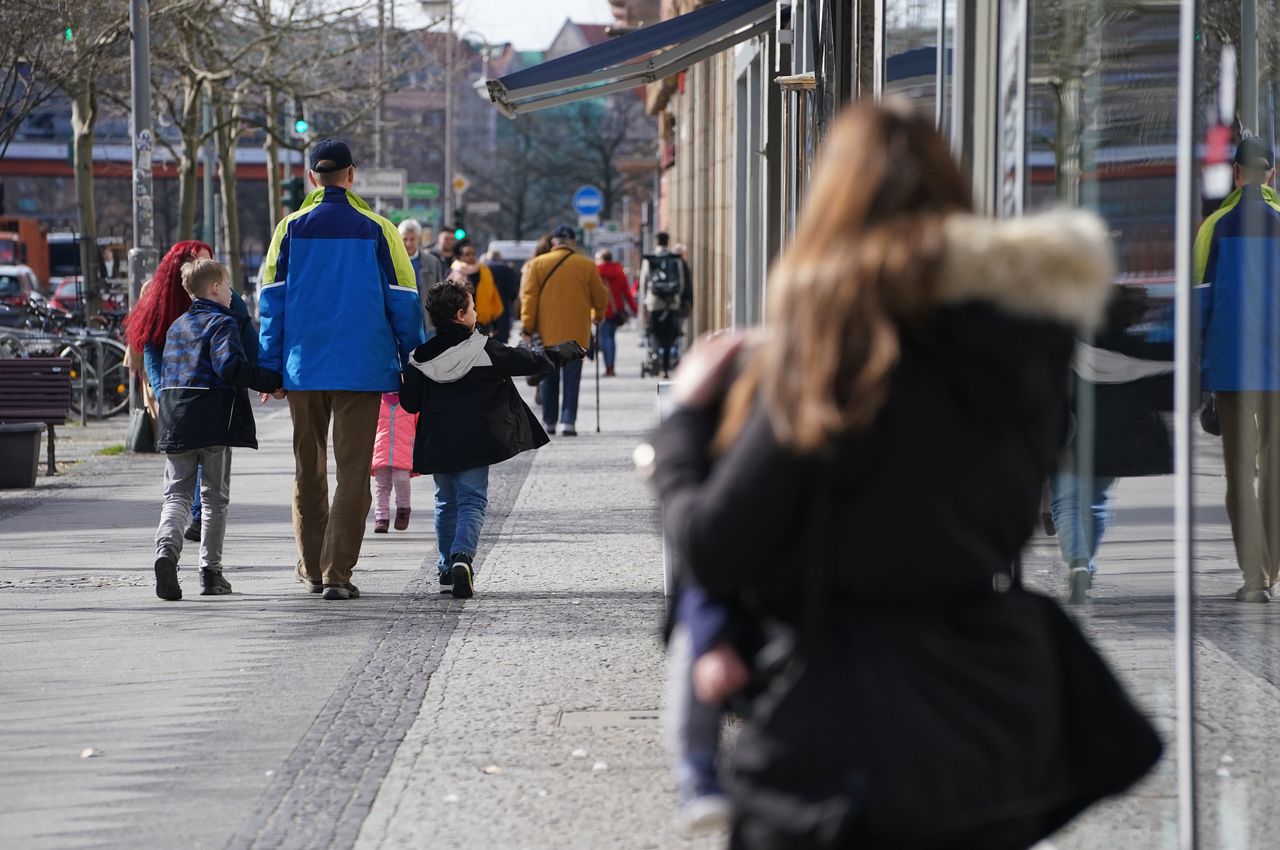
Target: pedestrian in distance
x=1237, y=264
x=435, y=263
x=1123, y=385
x=471, y=418
x=159, y=305
x=204, y=412
x=489, y=306
x=507, y=279
x=340, y=315
x=393, y=463
x=664, y=291
x=621, y=307
x=909, y=693
x=560, y=296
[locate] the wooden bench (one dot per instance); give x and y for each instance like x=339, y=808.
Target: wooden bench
x=36, y=389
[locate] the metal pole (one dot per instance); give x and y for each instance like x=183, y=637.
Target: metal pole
x=379, y=143
x=1248, y=66
x=595, y=344
x=448, y=124
x=1184, y=579
x=143, y=255
x=210, y=156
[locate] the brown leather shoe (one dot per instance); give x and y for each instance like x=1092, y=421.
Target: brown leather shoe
x=402, y=519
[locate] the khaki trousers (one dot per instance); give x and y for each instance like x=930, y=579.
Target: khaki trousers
x=329, y=536
x=1251, y=450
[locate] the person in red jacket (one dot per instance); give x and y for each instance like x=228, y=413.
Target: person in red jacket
x=622, y=304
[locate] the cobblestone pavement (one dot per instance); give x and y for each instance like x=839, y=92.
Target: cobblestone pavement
x=524, y=718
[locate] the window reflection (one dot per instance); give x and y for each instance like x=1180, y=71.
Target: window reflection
x=911, y=31
x=1101, y=132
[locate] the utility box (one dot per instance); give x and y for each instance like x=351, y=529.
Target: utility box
x=19, y=454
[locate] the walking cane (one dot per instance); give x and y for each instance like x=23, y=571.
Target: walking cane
x=595, y=344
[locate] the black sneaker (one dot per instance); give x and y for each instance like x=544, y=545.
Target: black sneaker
x=446, y=580
x=167, y=587
x=334, y=592
x=1079, y=584
x=463, y=577
x=193, y=531
x=212, y=583
x=568, y=431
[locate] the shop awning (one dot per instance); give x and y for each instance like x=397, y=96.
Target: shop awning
x=634, y=59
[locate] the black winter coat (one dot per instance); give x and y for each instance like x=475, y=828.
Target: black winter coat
x=927, y=701
x=205, y=371
x=1128, y=433
x=471, y=413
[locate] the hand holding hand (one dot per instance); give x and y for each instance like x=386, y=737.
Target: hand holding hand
x=718, y=673
x=701, y=374
x=280, y=393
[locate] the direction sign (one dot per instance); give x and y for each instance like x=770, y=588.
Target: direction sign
x=484, y=208
x=379, y=182
x=422, y=191
x=460, y=184
x=588, y=200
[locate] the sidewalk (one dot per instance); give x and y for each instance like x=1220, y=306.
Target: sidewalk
x=525, y=717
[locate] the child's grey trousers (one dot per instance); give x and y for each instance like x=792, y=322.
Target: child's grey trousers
x=180, y=490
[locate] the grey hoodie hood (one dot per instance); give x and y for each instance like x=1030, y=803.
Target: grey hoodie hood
x=455, y=362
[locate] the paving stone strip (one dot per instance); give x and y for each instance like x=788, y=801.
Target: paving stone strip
x=321, y=795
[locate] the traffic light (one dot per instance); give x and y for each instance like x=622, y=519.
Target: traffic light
x=69, y=35
x=293, y=194
x=459, y=228
x=301, y=126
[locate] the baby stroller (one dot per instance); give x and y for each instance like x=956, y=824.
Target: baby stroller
x=651, y=362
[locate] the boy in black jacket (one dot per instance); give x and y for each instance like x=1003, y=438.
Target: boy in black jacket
x=204, y=411
x=472, y=417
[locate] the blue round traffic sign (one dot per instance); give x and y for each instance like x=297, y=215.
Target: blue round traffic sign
x=588, y=200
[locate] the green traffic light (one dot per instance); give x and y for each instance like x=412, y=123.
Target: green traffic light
x=459, y=234
x=70, y=35
x=300, y=125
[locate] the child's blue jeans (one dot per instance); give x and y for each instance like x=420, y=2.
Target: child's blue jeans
x=1081, y=512
x=692, y=728
x=461, y=501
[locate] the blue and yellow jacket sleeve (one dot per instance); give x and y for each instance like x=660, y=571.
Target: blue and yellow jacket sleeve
x=271, y=299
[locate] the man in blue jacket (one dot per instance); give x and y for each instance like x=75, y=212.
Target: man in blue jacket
x=340, y=316
x=1237, y=260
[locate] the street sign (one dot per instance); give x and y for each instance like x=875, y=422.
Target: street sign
x=588, y=200
x=423, y=215
x=588, y=222
x=379, y=182
x=422, y=191
x=484, y=208
x=460, y=184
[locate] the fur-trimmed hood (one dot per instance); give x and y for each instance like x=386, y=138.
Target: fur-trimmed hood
x=1055, y=265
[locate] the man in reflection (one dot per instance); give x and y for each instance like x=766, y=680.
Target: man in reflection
x=1237, y=260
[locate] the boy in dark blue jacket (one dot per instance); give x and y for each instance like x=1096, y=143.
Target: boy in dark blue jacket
x=472, y=417
x=204, y=411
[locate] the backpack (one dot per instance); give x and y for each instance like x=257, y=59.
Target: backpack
x=666, y=277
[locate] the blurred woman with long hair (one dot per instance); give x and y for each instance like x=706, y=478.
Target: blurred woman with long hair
x=860, y=479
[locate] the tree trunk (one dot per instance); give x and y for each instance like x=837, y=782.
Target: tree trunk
x=84, y=114
x=228, y=121
x=274, y=199
x=187, y=162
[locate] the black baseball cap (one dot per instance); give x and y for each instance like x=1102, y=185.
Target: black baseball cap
x=564, y=231
x=1254, y=152
x=330, y=155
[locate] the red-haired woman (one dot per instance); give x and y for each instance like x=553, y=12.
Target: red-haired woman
x=162, y=301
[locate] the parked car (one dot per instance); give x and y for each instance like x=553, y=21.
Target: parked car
x=68, y=292
x=17, y=282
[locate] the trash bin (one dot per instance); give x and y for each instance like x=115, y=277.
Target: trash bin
x=19, y=454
